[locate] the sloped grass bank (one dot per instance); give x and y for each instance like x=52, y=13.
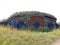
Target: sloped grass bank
x=9, y=36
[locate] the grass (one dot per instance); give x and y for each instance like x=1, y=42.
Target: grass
x=10, y=36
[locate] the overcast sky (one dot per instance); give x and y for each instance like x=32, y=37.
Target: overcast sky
x=8, y=7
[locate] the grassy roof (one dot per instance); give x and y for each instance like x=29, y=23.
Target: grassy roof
x=31, y=13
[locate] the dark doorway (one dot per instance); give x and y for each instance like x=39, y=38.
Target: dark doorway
x=21, y=25
x=50, y=26
x=36, y=25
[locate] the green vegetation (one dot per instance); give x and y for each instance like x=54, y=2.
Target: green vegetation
x=10, y=36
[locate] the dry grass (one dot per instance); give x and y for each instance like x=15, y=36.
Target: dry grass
x=9, y=36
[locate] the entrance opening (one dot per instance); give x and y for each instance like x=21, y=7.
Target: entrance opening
x=50, y=26
x=21, y=25
x=12, y=23
x=36, y=25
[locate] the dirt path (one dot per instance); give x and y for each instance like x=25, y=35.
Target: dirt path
x=56, y=42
